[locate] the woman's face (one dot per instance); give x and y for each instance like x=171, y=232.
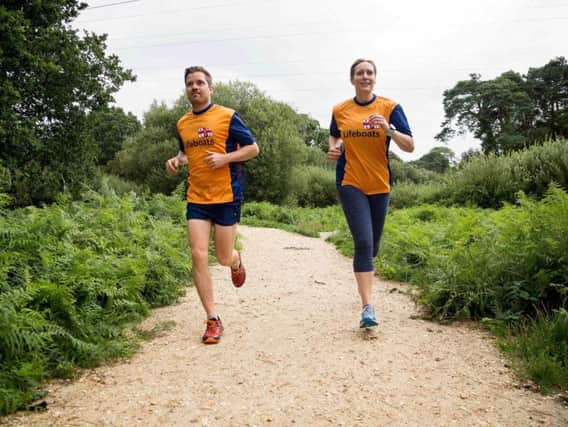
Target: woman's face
x=364, y=77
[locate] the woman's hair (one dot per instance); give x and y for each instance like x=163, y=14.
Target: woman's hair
x=357, y=62
x=195, y=69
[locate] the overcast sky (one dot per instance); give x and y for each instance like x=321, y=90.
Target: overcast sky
x=300, y=51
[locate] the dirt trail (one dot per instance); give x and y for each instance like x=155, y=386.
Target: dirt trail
x=293, y=354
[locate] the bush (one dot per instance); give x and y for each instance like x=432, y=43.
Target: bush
x=490, y=181
x=540, y=348
x=143, y=158
x=312, y=187
x=307, y=221
x=471, y=263
x=73, y=275
x=407, y=194
x=407, y=172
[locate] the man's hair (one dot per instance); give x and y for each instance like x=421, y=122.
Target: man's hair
x=195, y=69
x=357, y=62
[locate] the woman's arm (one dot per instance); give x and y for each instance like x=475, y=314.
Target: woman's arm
x=404, y=142
x=334, y=151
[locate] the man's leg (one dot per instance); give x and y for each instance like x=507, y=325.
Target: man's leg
x=198, y=232
x=225, y=245
x=227, y=255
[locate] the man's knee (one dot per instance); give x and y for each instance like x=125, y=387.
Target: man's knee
x=199, y=256
x=225, y=258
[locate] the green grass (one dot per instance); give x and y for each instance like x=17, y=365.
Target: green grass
x=306, y=221
x=75, y=276
x=539, y=349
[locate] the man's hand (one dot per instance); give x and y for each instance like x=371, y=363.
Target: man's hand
x=172, y=166
x=215, y=160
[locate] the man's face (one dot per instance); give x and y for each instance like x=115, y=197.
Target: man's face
x=197, y=89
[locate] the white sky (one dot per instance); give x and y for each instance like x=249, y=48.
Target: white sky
x=300, y=51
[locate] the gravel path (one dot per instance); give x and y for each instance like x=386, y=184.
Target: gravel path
x=293, y=354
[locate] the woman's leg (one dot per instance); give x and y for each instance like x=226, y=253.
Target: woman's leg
x=379, y=204
x=358, y=215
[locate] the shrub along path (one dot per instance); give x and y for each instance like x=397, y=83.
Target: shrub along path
x=293, y=354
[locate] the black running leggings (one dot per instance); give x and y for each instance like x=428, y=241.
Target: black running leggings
x=365, y=216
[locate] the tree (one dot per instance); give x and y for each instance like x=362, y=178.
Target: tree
x=281, y=133
x=312, y=133
x=511, y=111
x=142, y=159
x=110, y=128
x=50, y=79
x=277, y=129
x=439, y=159
x=548, y=89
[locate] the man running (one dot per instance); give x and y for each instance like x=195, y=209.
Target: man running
x=214, y=142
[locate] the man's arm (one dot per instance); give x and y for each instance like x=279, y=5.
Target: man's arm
x=246, y=152
x=173, y=164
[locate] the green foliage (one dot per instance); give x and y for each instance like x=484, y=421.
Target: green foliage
x=110, y=128
x=312, y=187
x=407, y=194
x=286, y=139
x=306, y=221
x=142, y=160
x=121, y=186
x=439, y=160
x=73, y=275
x=540, y=349
x=159, y=116
x=489, y=181
x=511, y=111
x=472, y=263
x=277, y=129
x=409, y=172
x=50, y=77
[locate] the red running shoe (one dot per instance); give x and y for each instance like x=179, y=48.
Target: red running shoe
x=239, y=275
x=213, y=331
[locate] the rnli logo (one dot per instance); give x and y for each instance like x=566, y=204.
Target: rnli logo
x=204, y=133
x=368, y=125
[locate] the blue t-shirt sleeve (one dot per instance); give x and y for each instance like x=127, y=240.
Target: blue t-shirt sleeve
x=333, y=130
x=238, y=132
x=398, y=119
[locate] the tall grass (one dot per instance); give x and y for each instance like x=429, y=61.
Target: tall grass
x=473, y=263
x=492, y=181
x=73, y=275
x=540, y=350
x=306, y=221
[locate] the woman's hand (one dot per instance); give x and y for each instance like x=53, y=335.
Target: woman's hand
x=376, y=120
x=334, y=151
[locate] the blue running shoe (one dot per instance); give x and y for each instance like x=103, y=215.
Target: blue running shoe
x=368, y=318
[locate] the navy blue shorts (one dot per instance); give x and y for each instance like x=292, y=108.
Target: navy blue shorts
x=219, y=213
